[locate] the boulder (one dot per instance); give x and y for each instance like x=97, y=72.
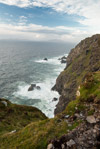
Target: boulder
x=91, y=119
x=32, y=87
x=45, y=59
x=55, y=99
x=71, y=143
x=63, y=61
x=38, y=87
x=50, y=146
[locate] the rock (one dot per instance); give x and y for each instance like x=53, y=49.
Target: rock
x=63, y=146
x=77, y=115
x=63, y=61
x=67, y=116
x=78, y=93
x=45, y=59
x=91, y=119
x=53, y=88
x=55, y=99
x=4, y=102
x=50, y=146
x=38, y=87
x=13, y=131
x=71, y=143
x=31, y=88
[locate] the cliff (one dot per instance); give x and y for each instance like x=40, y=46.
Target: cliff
x=84, y=58
x=76, y=124
x=15, y=117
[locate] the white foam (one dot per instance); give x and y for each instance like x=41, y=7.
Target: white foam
x=46, y=96
x=54, y=61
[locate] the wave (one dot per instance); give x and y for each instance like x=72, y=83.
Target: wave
x=44, y=97
x=54, y=61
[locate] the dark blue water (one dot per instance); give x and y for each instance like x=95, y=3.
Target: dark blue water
x=21, y=63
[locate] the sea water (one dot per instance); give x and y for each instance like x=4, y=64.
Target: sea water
x=23, y=64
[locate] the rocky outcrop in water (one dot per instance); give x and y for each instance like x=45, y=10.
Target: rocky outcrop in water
x=33, y=86
x=84, y=58
x=45, y=59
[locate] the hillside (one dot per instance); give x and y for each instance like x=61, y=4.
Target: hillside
x=84, y=58
x=14, y=117
x=76, y=124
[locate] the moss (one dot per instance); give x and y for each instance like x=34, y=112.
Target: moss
x=73, y=107
x=91, y=88
x=91, y=112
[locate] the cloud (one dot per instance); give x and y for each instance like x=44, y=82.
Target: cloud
x=90, y=9
x=41, y=33
x=89, y=20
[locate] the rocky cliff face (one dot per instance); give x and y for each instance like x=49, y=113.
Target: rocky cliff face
x=78, y=126
x=84, y=58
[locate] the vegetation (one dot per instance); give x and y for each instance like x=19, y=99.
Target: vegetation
x=15, y=117
x=38, y=133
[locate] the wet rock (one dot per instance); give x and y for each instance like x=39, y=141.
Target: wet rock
x=53, y=88
x=32, y=87
x=91, y=119
x=38, y=87
x=55, y=99
x=63, y=61
x=45, y=59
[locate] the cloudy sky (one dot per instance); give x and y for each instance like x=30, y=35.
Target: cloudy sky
x=49, y=20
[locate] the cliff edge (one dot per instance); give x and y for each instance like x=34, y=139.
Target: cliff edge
x=84, y=58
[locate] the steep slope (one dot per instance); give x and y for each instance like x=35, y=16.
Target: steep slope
x=14, y=117
x=77, y=127
x=84, y=58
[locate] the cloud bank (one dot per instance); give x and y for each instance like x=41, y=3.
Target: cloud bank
x=89, y=12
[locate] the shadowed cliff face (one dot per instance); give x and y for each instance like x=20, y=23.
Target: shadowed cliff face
x=84, y=58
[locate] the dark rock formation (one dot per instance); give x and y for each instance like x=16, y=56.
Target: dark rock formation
x=38, y=87
x=45, y=59
x=84, y=58
x=63, y=59
x=33, y=86
x=55, y=99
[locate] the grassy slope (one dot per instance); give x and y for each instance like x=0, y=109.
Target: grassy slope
x=15, y=117
x=37, y=134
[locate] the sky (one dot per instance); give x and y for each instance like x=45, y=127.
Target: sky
x=49, y=20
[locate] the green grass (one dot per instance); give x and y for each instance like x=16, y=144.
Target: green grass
x=15, y=117
x=41, y=130
x=37, y=134
x=91, y=88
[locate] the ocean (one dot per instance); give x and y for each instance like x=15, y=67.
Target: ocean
x=22, y=64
